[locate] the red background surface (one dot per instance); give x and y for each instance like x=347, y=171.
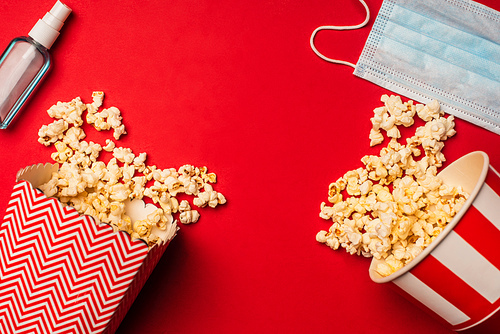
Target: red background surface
x=233, y=85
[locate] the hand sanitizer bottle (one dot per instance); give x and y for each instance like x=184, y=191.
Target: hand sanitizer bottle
x=25, y=62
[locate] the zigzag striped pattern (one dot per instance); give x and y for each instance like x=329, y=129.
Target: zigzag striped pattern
x=59, y=271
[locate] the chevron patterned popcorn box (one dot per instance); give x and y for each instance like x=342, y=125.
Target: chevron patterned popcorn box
x=457, y=277
x=60, y=272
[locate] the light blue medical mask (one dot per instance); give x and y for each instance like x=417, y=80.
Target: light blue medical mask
x=448, y=50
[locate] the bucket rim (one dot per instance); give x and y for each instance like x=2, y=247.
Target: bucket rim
x=377, y=278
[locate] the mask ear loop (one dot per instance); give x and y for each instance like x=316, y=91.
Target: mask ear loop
x=336, y=61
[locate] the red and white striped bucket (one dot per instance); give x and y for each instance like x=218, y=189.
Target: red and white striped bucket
x=457, y=277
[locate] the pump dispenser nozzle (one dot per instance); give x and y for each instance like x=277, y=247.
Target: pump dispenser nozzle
x=46, y=30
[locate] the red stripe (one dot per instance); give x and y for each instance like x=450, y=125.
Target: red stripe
x=424, y=307
x=481, y=234
x=449, y=286
x=493, y=180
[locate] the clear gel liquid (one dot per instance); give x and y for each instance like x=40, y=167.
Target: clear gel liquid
x=17, y=71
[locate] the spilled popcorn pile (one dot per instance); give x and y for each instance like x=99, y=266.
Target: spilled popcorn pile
x=100, y=190
x=396, y=205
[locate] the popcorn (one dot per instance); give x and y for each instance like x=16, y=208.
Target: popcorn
x=124, y=155
x=376, y=137
x=128, y=172
x=393, y=113
x=113, y=117
x=73, y=136
x=190, y=216
x=169, y=204
x=101, y=189
x=187, y=215
x=184, y=206
x=49, y=134
x=91, y=149
x=394, y=224
x=429, y=111
x=71, y=111
x=209, y=196
x=109, y=118
x=63, y=152
x=141, y=229
x=119, y=131
x=110, y=145
x=139, y=162
x=119, y=192
x=138, y=184
x=97, y=98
